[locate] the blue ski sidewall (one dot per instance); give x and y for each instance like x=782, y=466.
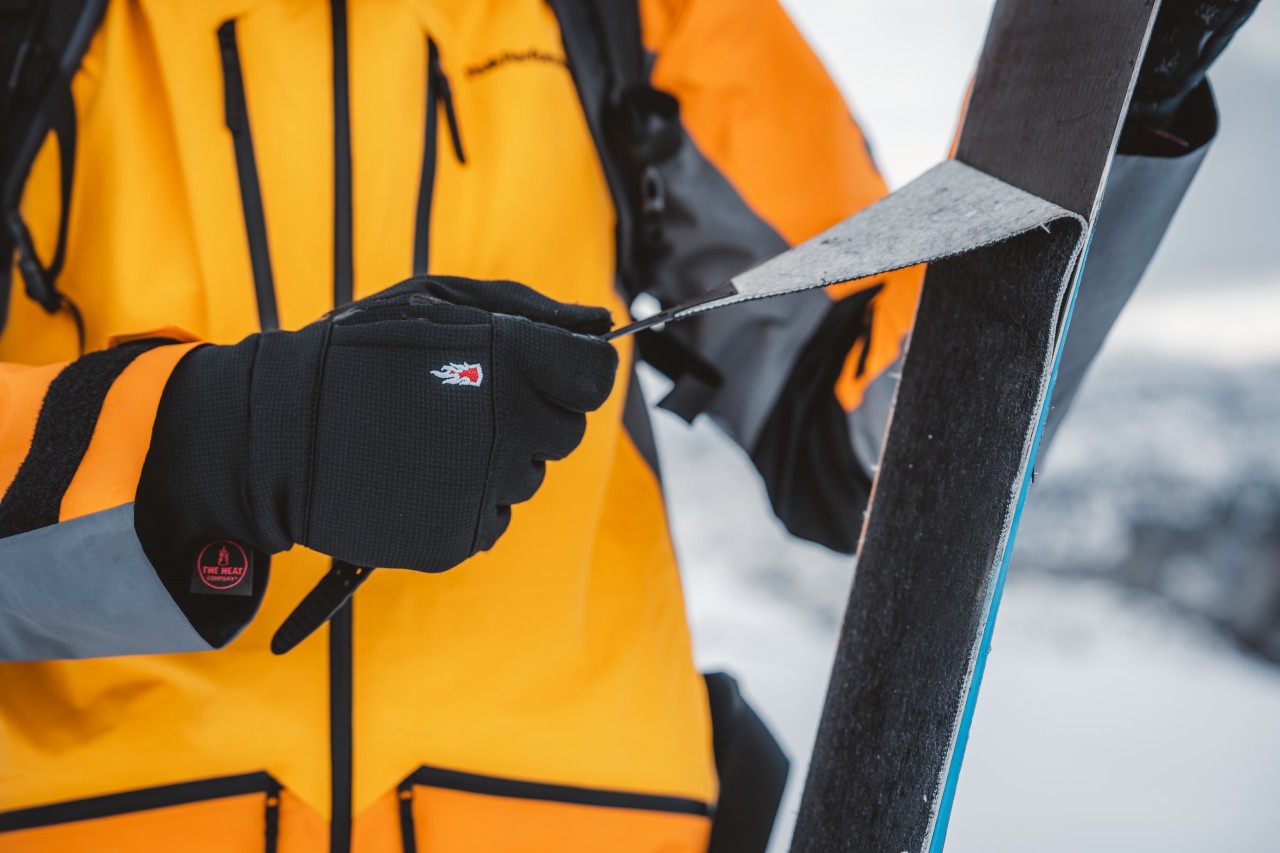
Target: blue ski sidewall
x=962, y=737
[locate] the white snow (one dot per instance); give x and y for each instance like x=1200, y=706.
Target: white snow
x=1106, y=722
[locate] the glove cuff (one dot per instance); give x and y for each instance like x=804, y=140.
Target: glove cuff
x=284, y=389
x=193, y=483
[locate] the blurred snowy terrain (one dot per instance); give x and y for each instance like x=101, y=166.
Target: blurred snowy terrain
x=1120, y=709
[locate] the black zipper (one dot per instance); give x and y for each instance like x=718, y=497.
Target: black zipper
x=341, y=748
x=147, y=799
x=439, y=95
x=255, y=221
x=341, y=627
x=343, y=257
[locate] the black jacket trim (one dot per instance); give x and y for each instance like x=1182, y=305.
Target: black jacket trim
x=341, y=630
x=455, y=780
x=255, y=219
x=144, y=799
x=343, y=218
x=439, y=96
x=65, y=426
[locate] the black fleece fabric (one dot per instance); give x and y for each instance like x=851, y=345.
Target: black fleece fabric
x=65, y=426
x=397, y=432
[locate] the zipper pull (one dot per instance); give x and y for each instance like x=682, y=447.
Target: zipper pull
x=444, y=96
x=272, y=816
x=408, y=834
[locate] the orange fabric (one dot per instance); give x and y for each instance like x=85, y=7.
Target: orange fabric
x=108, y=474
x=22, y=390
x=760, y=106
x=893, y=314
x=377, y=828
x=449, y=821
x=209, y=826
x=302, y=829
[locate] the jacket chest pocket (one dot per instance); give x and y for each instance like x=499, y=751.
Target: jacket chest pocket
x=445, y=811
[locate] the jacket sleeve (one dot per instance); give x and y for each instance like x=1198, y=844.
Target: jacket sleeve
x=75, y=580
x=772, y=157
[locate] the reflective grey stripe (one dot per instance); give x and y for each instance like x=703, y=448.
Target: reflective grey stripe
x=84, y=588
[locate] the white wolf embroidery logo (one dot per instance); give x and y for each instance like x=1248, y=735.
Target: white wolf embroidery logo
x=460, y=374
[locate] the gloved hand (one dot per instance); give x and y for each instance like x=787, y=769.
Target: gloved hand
x=1187, y=37
x=396, y=432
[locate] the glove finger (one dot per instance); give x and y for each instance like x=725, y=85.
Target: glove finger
x=573, y=371
x=416, y=307
x=397, y=294
x=549, y=433
x=520, y=485
x=509, y=297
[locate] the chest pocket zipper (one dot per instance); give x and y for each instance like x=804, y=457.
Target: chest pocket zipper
x=439, y=99
x=255, y=222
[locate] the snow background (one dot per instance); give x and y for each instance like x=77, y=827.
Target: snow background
x=1118, y=712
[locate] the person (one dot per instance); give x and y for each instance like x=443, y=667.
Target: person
x=207, y=383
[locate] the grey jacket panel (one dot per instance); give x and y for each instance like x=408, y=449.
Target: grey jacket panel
x=713, y=235
x=84, y=588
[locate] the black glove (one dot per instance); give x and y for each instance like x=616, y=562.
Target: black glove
x=397, y=431
x=1187, y=37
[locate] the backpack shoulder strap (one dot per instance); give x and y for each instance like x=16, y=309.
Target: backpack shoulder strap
x=636, y=129
x=635, y=126
x=41, y=45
